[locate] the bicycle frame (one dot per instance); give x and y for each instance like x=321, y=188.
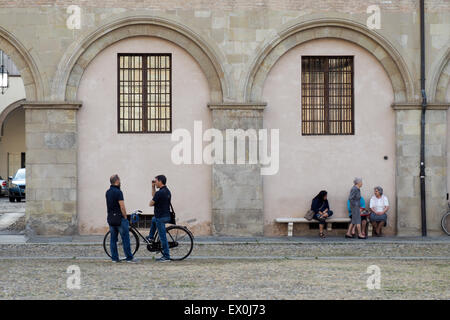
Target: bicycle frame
x=142, y=237
x=171, y=244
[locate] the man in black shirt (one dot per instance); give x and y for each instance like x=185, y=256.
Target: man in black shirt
x=117, y=220
x=161, y=203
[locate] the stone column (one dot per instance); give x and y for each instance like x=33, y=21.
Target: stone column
x=237, y=194
x=408, y=117
x=51, y=169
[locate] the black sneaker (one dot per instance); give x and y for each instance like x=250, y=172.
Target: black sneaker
x=115, y=261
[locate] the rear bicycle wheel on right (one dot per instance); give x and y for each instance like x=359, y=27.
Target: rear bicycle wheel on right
x=181, y=242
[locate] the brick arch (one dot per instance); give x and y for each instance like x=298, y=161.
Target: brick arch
x=27, y=67
x=71, y=69
x=441, y=79
x=7, y=111
x=300, y=33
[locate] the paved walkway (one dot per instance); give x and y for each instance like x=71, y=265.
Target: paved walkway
x=91, y=247
x=261, y=240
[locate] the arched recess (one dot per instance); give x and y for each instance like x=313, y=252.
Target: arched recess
x=440, y=80
x=27, y=67
x=7, y=111
x=72, y=67
x=354, y=32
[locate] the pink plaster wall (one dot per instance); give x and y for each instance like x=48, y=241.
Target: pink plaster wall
x=309, y=164
x=137, y=158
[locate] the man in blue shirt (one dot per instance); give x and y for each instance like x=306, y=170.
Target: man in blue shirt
x=161, y=204
x=117, y=220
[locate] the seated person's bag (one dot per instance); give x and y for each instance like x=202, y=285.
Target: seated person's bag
x=309, y=215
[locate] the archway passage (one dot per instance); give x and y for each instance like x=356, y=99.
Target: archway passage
x=12, y=136
x=12, y=160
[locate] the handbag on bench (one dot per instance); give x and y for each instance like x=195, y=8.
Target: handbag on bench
x=309, y=215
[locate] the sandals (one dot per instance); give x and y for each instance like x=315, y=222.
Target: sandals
x=348, y=237
x=322, y=235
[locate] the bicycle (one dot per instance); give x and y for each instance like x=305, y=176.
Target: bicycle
x=179, y=238
x=445, y=222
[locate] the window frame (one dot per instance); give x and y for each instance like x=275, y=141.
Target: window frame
x=326, y=96
x=144, y=93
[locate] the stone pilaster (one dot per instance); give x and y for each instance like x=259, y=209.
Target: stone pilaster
x=51, y=140
x=237, y=194
x=408, y=117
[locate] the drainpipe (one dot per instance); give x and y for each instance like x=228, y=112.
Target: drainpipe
x=422, y=122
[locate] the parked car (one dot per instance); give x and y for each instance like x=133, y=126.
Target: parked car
x=17, y=186
x=3, y=187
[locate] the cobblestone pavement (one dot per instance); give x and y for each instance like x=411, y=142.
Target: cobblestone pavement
x=6, y=206
x=216, y=279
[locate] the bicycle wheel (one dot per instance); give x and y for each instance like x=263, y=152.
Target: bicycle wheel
x=134, y=242
x=181, y=242
x=445, y=223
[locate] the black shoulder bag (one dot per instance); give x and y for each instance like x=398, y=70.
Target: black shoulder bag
x=172, y=214
x=114, y=219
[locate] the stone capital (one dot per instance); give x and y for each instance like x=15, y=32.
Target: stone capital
x=418, y=106
x=60, y=105
x=238, y=106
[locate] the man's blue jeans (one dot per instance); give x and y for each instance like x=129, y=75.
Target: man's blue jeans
x=160, y=224
x=123, y=229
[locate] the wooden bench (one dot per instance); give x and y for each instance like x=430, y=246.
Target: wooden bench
x=291, y=221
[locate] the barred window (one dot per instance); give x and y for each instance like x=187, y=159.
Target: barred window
x=144, y=93
x=327, y=95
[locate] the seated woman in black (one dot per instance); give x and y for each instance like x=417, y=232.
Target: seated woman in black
x=321, y=210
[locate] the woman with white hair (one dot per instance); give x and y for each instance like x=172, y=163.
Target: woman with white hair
x=379, y=206
x=354, y=198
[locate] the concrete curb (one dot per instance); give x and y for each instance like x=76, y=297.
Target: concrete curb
x=237, y=258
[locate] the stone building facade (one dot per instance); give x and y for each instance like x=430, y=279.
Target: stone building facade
x=235, y=65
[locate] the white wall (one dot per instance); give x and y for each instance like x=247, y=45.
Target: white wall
x=309, y=164
x=137, y=158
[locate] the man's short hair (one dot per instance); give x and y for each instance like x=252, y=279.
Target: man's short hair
x=114, y=178
x=161, y=178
